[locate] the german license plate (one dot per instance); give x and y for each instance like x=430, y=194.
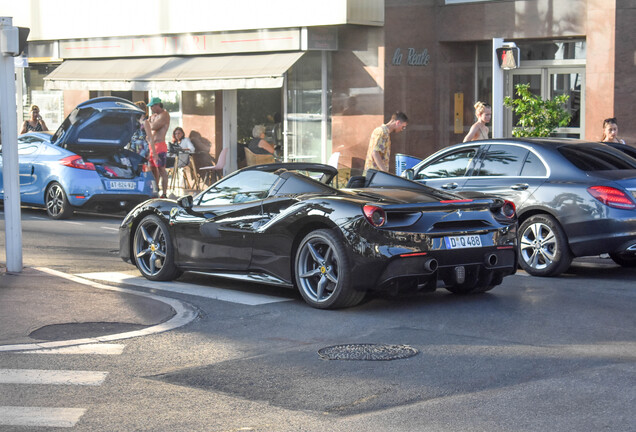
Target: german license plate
x=126, y=185
x=461, y=242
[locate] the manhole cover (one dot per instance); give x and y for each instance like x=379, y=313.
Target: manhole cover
x=367, y=352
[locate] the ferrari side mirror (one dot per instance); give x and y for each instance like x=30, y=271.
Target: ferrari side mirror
x=186, y=202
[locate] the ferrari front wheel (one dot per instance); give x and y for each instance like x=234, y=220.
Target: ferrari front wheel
x=153, y=251
x=322, y=272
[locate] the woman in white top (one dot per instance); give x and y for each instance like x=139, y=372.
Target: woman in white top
x=186, y=147
x=479, y=130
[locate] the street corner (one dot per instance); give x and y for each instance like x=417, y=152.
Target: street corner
x=46, y=308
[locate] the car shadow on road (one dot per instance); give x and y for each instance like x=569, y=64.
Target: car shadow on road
x=599, y=268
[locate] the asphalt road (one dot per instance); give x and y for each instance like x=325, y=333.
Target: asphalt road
x=534, y=354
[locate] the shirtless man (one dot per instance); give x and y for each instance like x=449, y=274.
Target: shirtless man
x=156, y=128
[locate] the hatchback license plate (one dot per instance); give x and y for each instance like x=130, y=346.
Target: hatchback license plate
x=465, y=241
x=127, y=185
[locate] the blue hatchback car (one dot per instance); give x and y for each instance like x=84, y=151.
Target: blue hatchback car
x=84, y=165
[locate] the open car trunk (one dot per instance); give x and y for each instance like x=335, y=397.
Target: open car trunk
x=99, y=130
x=122, y=164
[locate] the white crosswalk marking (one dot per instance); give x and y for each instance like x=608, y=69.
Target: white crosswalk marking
x=51, y=377
x=250, y=299
x=97, y=349
x=37, y=416
x=40, y=417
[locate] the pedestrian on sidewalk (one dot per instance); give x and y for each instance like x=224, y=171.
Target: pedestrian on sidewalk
x=156, y=129
x=610, y=131
x=479, y=130
x=379, y=152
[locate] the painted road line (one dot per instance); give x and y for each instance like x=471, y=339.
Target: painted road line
x=250, y=299
x=40, y=417
x=52, y=377
x=110, y=228
x=95, y=349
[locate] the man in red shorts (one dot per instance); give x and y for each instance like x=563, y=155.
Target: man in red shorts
x=156, y=127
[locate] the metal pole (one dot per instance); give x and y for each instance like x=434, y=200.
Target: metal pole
x=497, y=91
x=8, y=120
x=324, y=107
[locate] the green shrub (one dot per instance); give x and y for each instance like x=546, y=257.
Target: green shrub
x=537, y=117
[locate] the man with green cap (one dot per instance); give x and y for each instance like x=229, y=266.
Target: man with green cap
x=156, y=128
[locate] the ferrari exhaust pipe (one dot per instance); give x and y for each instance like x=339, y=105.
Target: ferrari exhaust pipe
x=492, y=260
x=430, y=265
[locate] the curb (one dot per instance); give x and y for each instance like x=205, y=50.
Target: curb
x=184, y=314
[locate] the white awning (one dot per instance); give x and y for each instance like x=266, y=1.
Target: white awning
x=173, y=73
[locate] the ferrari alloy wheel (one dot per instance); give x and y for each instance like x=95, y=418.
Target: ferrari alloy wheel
x=153, y=252
x=543, y=247
x=322, y=272
x=57, y=205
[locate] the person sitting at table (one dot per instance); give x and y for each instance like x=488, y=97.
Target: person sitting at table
x=258, y=145
x=185, y=146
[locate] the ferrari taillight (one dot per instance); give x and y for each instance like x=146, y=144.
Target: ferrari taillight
x=375, y=215
x=76, y=161
x=612, y=197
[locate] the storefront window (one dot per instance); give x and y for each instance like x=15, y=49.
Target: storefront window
x=484, y=73
x=568, y=84
x=259, y=106
x=50, y=102
x=551, y=68
x=304, y=112
x=552, y=50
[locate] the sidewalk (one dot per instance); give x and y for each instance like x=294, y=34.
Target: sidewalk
x=41, y=308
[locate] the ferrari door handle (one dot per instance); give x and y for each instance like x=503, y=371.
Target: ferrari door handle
x=519, y=186
x=450, y=186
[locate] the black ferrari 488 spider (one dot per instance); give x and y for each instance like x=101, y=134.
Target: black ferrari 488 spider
x=285, y=224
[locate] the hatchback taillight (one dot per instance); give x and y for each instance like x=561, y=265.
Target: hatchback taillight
x=612, y=197
x=375, y=215
x=76, y=161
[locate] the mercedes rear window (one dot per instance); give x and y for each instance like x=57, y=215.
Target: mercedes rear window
x=588, y=158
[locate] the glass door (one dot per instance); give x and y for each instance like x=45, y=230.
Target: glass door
x=534, y=77
x=304, y=117
x=548, y=82
x=569, y=81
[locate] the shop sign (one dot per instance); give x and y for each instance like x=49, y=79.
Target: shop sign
x=183, y=44
x=321, y=38
x=414, y=57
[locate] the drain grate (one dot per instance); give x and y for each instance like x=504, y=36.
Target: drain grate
x=372, y=352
